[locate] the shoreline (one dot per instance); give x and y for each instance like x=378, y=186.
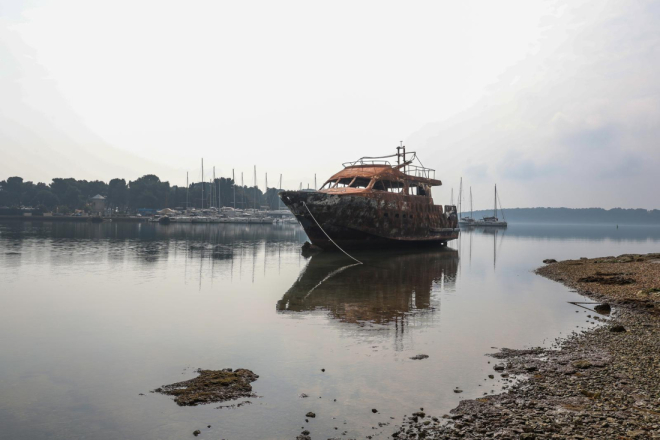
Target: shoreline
x=601, y=383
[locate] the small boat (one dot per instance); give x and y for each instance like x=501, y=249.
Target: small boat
x=375, y=203
x=492, y=221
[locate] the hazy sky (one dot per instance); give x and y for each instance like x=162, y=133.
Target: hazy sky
x=557, y=102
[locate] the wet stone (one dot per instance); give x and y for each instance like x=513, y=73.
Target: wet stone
x=419, y=357
x=211, y=386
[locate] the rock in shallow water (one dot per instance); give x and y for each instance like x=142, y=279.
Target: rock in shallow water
x=211, y=386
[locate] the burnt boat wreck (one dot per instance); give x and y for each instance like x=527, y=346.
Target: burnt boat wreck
x=375, y=203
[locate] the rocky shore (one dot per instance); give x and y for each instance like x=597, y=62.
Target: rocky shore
x=600, y=384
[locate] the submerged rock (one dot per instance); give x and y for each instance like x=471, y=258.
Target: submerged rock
x=211, y=386
x=419, y=357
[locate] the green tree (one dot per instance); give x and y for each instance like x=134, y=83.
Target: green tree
x=117, y=193
x=148, y=192
x=46, y=198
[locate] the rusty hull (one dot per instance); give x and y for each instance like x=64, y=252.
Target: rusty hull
x=365, y=218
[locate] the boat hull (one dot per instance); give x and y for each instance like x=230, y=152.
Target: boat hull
x=481, y=223
x=370, y=220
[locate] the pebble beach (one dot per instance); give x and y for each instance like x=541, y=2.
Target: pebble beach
x=603, y=383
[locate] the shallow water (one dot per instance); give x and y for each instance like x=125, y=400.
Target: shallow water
x=94, y=315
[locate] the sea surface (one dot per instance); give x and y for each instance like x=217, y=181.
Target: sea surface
x=95, y=316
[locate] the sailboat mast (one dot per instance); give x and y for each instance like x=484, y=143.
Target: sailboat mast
x=202, y=183
x=187, y=187
x=471, y=215
x=460, y=198
x=233, y=182
x=495, y=206
x=255, y=188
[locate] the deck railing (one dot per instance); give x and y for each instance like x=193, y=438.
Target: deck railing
x=410, y=169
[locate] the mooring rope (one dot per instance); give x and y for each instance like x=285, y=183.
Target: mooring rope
x=326, y=234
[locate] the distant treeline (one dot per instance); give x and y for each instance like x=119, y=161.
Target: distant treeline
x=579, y=215
x=68, y=194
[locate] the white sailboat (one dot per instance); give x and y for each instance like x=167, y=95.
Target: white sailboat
x=492, y=221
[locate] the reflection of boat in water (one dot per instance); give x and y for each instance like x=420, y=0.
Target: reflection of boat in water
x=373, y=203
x=388, y=286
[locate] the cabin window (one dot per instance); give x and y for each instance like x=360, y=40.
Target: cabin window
x=360, y=182
x=386, y=185
x=416, y=190
x=380, y=186
x=343, y=183
x=394, y=187
x=328, y=184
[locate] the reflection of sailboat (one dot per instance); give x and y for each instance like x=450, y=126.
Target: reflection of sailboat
x=388, y=286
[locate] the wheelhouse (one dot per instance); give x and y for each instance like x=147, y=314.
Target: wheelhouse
x=366, y=177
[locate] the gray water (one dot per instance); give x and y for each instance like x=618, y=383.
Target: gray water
x=92, y=316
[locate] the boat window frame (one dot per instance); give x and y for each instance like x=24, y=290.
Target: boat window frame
x=343, y=187
x=331, y=182
x=418, y=187
x=355, y=180
x=389, y=188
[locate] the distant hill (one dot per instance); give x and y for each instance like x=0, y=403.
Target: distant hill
x=578, y=216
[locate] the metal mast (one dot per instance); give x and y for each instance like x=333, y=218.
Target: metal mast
x=187, y=186
x=495, y=206
x=202, y=183
x=255, y=188
x=233, y=182
x=471, y=215
x=460, y=198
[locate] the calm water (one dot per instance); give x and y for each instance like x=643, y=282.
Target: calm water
x=93, y=315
